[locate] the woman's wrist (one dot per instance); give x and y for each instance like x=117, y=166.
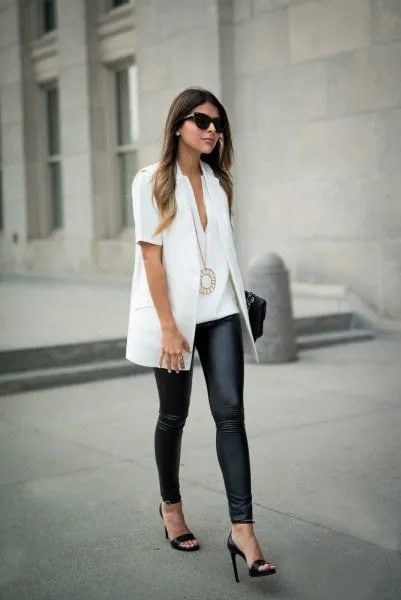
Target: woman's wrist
x=168, y=324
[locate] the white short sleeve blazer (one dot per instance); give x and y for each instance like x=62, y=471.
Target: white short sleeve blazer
x=181, y=262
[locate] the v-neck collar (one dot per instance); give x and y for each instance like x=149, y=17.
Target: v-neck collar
x=194, y=207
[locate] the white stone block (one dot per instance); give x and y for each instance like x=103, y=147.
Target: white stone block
x=71, y=54
x=14, y=217
x=292, y=93
x=328, y=27
x=74, y=85
x=153, y=113
x=76, y=177
x=341, y=209
x=261, y=6
x=75, y=137
x=13, y=150
x=194, y=59
x=155, y=72
x=387, y=191
x=390, y=279
x=9, y=27
x=10, y=69
x=100, y=133
x=272, y=153
x=70, y=12
x=13, y=183
x=388, y=127
x=148, y=19
x=78, y=216
x=386, y=20
x=244, y=118
x=261, y=44
x=242, y=10
x=337, y=148
x=366, y=79
x=11, y=104
x=183, y=16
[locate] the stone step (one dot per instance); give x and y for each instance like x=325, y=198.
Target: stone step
x=310, y=325
x=37, y=379
x=61, y=355
x=329, y=338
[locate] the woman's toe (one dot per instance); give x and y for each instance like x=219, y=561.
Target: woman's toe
x=266, y=567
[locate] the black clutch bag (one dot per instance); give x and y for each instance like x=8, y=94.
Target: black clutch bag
x=257, y=312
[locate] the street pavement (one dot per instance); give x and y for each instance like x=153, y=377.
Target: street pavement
x=79, y=490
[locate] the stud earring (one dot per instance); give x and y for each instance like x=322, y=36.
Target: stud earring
x=177, y=133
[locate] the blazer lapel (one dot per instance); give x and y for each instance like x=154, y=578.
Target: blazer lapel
x=218, y=196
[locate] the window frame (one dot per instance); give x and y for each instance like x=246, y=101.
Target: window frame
x=109, y=5
x=42, y=31
x=52, y=158
x=120, y=225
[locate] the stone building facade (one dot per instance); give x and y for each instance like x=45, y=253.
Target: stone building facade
x=313, y=93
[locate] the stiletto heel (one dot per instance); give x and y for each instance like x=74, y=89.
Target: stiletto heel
x=253, y=570
x=175, y=543
x=233, y=558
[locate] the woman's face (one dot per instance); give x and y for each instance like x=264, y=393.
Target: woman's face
x=201, y=140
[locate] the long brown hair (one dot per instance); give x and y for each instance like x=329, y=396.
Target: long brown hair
x=220, y=159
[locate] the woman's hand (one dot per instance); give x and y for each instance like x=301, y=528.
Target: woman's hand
x=172, y=344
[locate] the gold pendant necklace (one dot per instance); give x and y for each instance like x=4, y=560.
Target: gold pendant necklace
x=207, y=281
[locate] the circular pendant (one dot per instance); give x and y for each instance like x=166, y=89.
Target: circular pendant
x=207, y=281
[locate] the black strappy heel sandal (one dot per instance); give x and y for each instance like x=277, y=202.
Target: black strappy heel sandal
x=175, y=543
x=253, y=571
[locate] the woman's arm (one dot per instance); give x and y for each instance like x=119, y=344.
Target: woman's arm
x=172, y=339
x=157, y=282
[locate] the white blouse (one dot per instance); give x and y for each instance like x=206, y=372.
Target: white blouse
x=222, y=301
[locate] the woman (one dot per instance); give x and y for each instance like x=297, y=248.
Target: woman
x=187, y=291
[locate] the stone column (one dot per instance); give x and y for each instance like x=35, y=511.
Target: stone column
x=12, y=134
x=74, y=123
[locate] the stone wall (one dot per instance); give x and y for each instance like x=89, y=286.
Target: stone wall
x=317, y=115
x=313, y=92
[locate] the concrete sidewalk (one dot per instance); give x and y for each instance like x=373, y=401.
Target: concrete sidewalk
x=79, y=490
x=38, y=311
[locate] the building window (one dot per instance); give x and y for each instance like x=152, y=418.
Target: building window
x=127, y=134
x=117, y=3
x=53, y=156
x=48, y=16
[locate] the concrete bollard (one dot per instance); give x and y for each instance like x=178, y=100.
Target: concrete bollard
x=268, y=278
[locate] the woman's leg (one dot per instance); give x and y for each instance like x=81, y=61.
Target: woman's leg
x=174, y=391
x=220, y=348
x=174, y=396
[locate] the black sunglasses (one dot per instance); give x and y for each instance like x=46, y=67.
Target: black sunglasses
x=203, y=121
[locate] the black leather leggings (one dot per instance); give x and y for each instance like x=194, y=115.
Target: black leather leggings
x=220, y=348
